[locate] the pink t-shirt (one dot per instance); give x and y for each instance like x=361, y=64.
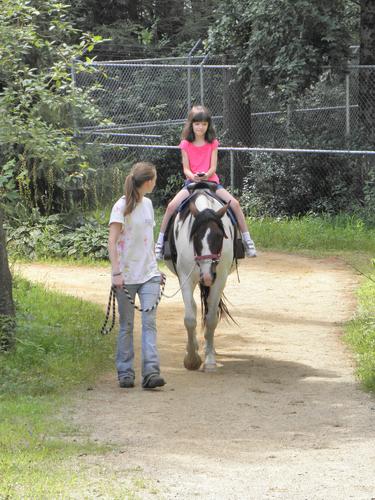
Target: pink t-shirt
x=200, y=156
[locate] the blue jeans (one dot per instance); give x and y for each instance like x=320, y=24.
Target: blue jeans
x=148, y=293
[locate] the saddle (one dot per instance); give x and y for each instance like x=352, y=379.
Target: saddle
x=206, y=185
x=210, y=188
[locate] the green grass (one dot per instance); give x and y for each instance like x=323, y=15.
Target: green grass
x=57, y=343
x=58, y=349
x=35, y=451
x=360, y=333
x=313, y=233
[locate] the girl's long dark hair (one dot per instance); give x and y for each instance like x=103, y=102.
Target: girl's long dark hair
x=198, y=114
x=139, y=174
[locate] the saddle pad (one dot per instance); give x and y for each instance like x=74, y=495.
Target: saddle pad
x=229, y=211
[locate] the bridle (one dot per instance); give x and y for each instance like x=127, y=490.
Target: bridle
x=214, y=257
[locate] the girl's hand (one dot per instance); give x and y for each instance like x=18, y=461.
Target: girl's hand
x=118, y=280
x=200, y=177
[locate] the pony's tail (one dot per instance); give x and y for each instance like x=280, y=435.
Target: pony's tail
x=205, y=290
x=223, y=310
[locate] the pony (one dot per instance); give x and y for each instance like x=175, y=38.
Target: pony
x=201, y=238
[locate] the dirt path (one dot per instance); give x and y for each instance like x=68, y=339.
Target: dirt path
x=283, y=417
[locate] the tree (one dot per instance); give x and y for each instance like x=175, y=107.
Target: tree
x=169, y=15
x=228, y=36
x=145, y=28
x=7, y=312
x=367, y=75
x=279, y=45
x=36, y=105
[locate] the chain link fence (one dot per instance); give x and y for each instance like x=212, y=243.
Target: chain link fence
x=309, y=154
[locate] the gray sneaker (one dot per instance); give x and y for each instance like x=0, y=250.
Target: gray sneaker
x=152, y=381
x=126, y=382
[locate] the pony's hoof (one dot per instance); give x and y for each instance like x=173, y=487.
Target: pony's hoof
x=192, y=363
x=210, y=367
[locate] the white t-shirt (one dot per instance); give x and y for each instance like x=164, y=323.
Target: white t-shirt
x=135, y=246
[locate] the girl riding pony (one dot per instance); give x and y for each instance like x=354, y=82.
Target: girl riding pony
x=199, y=160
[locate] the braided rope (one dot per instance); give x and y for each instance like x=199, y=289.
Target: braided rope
x=111, y=303
x=148, y=309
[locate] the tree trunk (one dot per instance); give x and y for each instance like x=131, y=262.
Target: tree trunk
x=236, y=119
x=200, y=8
x=7, y=311
x=367, y=75
x=170, y=15
x=236, y=111
x=132, y=7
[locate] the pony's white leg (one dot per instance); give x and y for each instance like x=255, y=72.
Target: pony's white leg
x=211, y=321
x=209, y=332
x=192, y=360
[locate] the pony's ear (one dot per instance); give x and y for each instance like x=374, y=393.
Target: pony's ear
x=193, y=209
x=223, y=210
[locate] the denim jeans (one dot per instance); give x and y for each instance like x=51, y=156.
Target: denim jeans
x=148, y=293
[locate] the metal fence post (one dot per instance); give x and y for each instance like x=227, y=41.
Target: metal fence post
x=288, y=116
x=201, y=84
x=189, y=74
x=74, y=85
x=231, y=155
x=189, y=84
x=347, y=104
x=202, y=80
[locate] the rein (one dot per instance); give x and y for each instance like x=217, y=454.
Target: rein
x=183, y=284
x=112, y=304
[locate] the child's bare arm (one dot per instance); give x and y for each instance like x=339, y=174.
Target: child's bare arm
x=186, y=166
x=213, y=164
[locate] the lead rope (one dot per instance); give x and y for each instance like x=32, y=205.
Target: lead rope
x=112, y=303
x=183, y=284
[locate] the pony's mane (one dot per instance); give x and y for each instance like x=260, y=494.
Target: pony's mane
x=203, y=217
x=186, y=210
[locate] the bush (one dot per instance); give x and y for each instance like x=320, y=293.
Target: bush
x=32, y=235
x=57, y=236
x=289, y=185
x=89, y=240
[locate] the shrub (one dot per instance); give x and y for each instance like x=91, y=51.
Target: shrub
x=279, y=185
x=42, y=237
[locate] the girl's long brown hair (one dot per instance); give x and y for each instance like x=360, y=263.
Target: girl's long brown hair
x=140, y=173
x=198, y=113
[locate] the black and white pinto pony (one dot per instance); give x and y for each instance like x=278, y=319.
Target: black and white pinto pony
x=201, y=239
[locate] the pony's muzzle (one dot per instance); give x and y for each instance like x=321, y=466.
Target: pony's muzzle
x=206, y=279
x=207, y=276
